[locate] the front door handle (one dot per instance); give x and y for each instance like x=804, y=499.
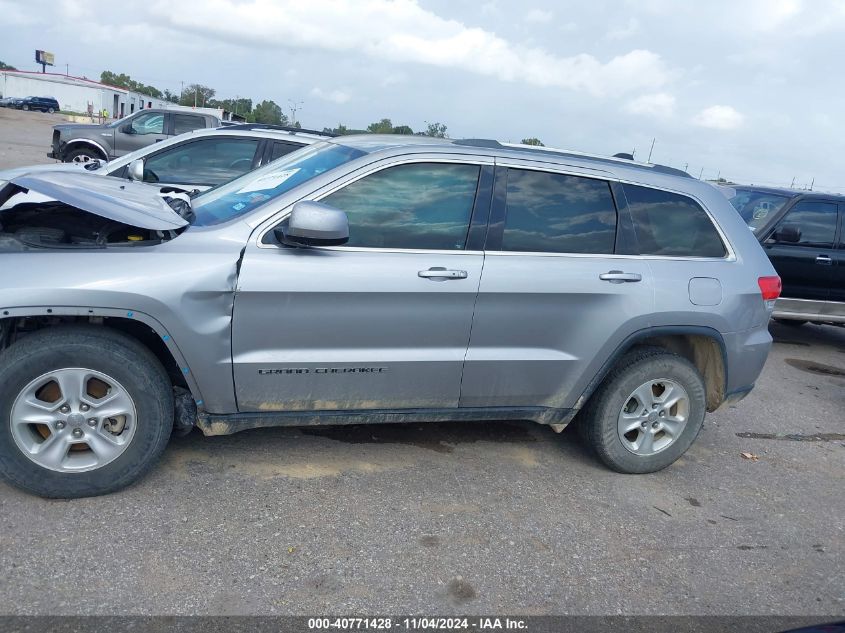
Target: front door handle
x=619, y=277
x=824, y=260
x=442, y=274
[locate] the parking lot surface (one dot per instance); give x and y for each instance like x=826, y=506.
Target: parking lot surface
x=467, y=518
x=25, y=137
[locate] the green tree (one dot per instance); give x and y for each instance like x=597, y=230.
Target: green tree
x=437, y=130
x=4, y=66
x=385, y=126
x=170, y=96
x=532, y=141
x=125, y=81
x=196, y=94
x=269, y=112
x=402, y=129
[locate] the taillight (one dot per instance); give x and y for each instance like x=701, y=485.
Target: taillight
x=769, y=287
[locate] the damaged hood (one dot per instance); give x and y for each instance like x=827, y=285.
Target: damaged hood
x=125, y=201
x=9, y=174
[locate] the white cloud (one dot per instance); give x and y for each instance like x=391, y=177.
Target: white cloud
x=402, y=31
x=539, y=16
x=335, y=96
x=659, y=104
x=719, y=117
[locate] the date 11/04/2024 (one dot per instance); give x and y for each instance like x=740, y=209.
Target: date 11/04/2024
x=418, y=624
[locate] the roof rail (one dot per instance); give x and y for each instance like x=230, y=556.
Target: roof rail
x=613, y=160
x=283, y=128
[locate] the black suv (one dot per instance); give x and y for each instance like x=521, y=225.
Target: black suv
x=44, y=104
x=803, y=233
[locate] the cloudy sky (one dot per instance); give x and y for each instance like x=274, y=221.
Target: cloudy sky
x=749, y=89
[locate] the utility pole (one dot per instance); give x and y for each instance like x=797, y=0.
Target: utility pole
x=67, y=70
x=701, y=173
x=651, y=150
x=792, y=186
x=294, y=106
x=182, y=90
x=685, y=166
x=196, y=90
x=812, y=182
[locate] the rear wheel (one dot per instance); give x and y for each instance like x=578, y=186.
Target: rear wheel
x=647, y=412
x=51, y=110
x=24, y=107
x=83, y=411
x=82, y=155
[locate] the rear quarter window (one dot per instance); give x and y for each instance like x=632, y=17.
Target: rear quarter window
x=671, y=224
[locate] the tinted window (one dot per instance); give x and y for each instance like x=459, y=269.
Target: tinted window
x=423, y=205
x=757, y=208
x=210, y=161
x=672, y=225
x=554, y=213
x=186, y=122
x=816, y=222
x=150, y=123
x=280, y=149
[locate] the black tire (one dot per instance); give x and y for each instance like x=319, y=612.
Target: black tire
x=24, y=107
x=50, y=110
x=102, y=350
x=83, y=155
x=598, y=420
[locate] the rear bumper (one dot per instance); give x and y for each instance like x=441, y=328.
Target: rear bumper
x=809, y=310
x=746, y=355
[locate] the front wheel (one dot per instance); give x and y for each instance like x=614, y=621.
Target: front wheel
x=24, y=107
x=646, y=413
x=81, y=155
x=83, y=411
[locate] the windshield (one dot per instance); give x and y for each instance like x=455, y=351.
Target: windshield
x=251, y=190
x=756, y=207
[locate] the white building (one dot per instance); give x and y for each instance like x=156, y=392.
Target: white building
x=78, y=94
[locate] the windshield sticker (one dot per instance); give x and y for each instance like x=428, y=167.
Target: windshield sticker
x=760, y=213
x=270, y=181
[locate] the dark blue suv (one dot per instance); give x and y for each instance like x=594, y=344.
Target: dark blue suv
x=44, y=104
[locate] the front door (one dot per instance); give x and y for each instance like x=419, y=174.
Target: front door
x=381, y=323
x=806, y=266
x=140, y=131
x=837, y=287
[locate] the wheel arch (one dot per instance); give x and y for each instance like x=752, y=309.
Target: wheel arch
x=704, y=347
x=146, y=330
x=76, y=143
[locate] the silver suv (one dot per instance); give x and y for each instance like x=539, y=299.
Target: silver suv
x=372, y=279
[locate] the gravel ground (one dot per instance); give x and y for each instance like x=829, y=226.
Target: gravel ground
x=457, y=518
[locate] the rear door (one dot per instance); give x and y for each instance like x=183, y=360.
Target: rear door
x=559, y=282
x=381, y=323
x=806, y=266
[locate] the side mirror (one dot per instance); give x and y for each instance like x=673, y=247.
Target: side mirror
x=136, y=169
x=787, y=233
x=314, y=224
x=127, y=129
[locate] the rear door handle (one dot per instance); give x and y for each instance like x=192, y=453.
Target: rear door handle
x=442, y=274
x=619, y=277
x=824, y=260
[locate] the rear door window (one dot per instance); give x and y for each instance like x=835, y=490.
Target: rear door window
x=671, y=224
x=187, y=122
x=558, y=213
